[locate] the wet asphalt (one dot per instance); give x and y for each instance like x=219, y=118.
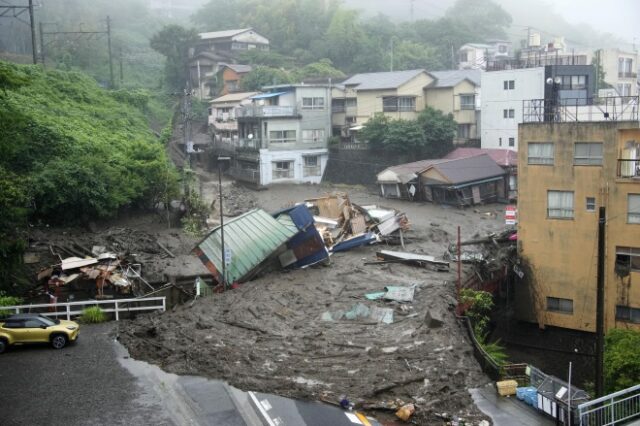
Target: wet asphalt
x=82, y=384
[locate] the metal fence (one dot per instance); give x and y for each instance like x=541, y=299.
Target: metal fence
x=612, y=409
x=69, y=309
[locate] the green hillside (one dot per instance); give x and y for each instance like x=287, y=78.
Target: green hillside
x=71, y=151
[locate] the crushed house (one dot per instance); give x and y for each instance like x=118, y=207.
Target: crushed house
x=461, y=182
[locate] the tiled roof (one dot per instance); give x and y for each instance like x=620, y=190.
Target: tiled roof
x=452, y=78
x=381, y=80
x=504, y=157
x=468, y=169
x=222, y=34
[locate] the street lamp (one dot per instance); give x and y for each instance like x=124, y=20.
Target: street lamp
x=223, y=256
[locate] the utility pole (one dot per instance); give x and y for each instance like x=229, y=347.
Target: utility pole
x=110, y=56
x=391, y=54
x=33, y=32
x=600, y=305
x=41, y=43
x=5, y=9
x=121, y=69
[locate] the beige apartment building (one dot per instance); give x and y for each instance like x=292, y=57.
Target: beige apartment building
x=567, y=170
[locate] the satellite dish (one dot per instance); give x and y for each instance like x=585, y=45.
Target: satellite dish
x=549, y=81
x=558, y=80
x=250, y=136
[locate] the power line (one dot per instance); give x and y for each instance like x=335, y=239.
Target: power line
x=18, y=10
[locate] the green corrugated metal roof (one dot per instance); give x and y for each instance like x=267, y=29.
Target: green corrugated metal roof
x=252, y=237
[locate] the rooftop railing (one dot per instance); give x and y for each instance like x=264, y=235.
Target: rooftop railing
x=615, y=108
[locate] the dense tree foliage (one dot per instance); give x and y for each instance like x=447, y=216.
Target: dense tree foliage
x=262, y=76
x=430, y=136
x=71, y=151
x=306, y=30
x=439, y=131
x=621, y=359
x=174, y=41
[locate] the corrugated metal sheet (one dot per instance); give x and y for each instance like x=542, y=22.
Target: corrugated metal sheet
x=251, y=237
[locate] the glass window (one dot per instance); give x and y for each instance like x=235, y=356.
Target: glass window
x=13, y=324
x=313, y=136
x=337, y=105
x=627, y=313
x=512, y=84
x=406, y=103
x=512, y=142
x=591, y=204
x=633, y=208
x=627, y=259
x=499, y=141
x=282, y=136
x=587, y=154
x=282, y=169
x=540, y=153
x=32, y=323
x=390, y=104
x=556, y=304
x=508, y=113
x=352, y=102
x=467, y=101
x=560, y=204
x=311, y=166
x=312, y=103
x=464, y=56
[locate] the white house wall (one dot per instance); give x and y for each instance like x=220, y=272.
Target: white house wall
x=529, y=84
x=267, y=158
x=250, y=37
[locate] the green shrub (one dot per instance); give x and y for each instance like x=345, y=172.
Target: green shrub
x=93, y=315
x=8, y=301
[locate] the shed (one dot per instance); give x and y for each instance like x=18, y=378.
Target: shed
x=464, y=181
x=251, y=238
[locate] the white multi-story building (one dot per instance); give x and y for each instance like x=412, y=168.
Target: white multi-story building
x=507, y=96
x=620, y=70
x=503, y=93
x=283, y=135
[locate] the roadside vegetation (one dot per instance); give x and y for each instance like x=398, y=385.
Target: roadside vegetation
x=93, y=315
x=71, y=151
x=478, y=309
x=621, y=359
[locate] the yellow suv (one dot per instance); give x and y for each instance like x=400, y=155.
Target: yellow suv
x=34, y=328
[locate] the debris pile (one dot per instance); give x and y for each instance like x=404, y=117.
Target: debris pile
x=493, y=259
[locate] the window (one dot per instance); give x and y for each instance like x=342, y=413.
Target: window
x=502, y=48
x=337, y=105
x=467, y=101
x=627, y=313
x=311, y=166
x=282, y=169
x=398, y=103
x=313, y=136
x=556, y=304
x=509, y=84
x=352, y=102
x=32, y=323
x=573, y=82
x=624, y=89
x=587, y=154
x=499, y=141
x=512, y=142
x=464, y=56
x=312, y=103
x=282, y=136
x=627, y=259
x=591, y=204
x=464, y=130
x=13, y=324
x=633, y=208
x=560, y=204
x=540, y=153
x=508, y=113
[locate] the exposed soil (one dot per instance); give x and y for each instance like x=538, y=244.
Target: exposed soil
x=270, y=334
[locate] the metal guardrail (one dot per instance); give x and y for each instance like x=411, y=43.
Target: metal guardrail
x=613, y=108
x=118, y=307
x=611, y=409
x=246, y=175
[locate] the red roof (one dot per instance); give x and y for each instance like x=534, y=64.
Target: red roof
x=504, y=157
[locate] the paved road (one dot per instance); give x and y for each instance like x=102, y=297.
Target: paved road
x=82, y=384
x=94, y=382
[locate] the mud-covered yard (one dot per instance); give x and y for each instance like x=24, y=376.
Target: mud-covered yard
x=284, y=333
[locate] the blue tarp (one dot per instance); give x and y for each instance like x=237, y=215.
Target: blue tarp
x=268, y=95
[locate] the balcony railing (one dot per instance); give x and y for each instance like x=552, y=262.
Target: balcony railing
x=251, y=111
x=234, y=144
x=627, y=74
x=614, y=108
x=629, y=168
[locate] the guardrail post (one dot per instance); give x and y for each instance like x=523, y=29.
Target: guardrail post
x=68, y=312
x=164, y=304
x=116, y=310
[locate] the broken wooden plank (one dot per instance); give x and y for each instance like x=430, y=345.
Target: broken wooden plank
x=166, y=250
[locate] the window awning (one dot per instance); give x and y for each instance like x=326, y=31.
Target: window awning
x=268, y=95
